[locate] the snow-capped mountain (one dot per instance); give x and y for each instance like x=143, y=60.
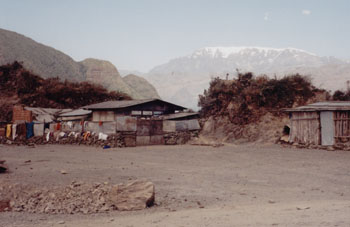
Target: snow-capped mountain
x=181, y=80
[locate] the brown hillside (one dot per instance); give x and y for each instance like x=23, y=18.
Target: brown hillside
x=20, y=86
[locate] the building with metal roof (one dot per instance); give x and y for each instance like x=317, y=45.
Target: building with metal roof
x=108, y=111
x=320, y=123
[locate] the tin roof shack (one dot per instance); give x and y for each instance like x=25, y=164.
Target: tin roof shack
x=108, y=111
x=183, y=121
x=321, y=123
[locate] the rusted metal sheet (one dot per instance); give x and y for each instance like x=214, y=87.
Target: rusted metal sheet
x=169, y=126
x=103, y=116
x=181, y=126
x=143, y=127
x=305, y=128
x=193, y=124
x=147, y=127
x=129, y=139
x=105, y=127
x=126, y=124
x=156, y=127
x=143, y=140
x=157, y=140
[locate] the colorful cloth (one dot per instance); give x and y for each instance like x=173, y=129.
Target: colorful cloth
x=8, y=130
x=14, y=131
x=30, y=130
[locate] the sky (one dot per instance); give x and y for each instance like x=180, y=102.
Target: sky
x=141, y=34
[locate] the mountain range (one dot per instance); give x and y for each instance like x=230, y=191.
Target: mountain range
x=48, y=62
x=182, y=79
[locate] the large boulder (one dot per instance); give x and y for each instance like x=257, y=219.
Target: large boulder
x=134, y=195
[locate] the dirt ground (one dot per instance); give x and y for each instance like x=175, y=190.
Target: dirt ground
x=245, y=185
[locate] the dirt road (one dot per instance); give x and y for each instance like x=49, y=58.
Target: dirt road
x=246, y=185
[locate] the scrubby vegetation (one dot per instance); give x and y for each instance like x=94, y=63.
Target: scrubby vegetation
x=20, y=86
x=341, y=95
x=247, y=98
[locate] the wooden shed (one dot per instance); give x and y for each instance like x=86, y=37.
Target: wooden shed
x=321, y=123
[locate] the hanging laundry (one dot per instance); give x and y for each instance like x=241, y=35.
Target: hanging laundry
x=21, y=130
x=86, y=135
x=8, y=130
x=38, y=129
x=3, y=132
x=46, y=126
x=48, y=136
x=102, y=136
x=70, y=124
x=58, y=126
x=14, y=131
x=100, y=123
x=30, y=130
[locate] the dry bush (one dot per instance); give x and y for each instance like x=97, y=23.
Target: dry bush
x=247, y=98
x=23, y=87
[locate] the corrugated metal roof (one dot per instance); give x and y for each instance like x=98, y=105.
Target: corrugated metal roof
x=125, y=103
x=179, y=115
x=78, y=112
x=323, y=106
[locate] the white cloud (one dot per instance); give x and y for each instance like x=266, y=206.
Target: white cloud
x=267, y=16
x=306, y=12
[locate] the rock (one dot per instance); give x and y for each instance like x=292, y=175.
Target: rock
x=135, y=195
x=3, y=166
x=61, y=222
x=285, y=138
x=63, y=172
x=330, y=148
x=4, y=205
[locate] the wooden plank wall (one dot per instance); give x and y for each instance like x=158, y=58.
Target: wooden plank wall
x=342, y=124
x=305, y=128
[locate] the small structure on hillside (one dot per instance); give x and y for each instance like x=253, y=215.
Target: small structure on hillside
x=321, y=123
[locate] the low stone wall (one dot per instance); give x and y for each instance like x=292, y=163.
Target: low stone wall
x=120, y=139
x=182, y=137
x=115, y=140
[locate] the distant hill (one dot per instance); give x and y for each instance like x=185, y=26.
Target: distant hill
x=48, y=62
x=139, y=85
x=182, y=79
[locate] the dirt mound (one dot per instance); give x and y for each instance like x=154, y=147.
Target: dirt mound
x=78, y=197
x=249, y=108
x=267, y=129
x=19, y=86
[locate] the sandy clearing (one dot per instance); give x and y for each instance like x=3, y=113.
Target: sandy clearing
x=247, y=185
